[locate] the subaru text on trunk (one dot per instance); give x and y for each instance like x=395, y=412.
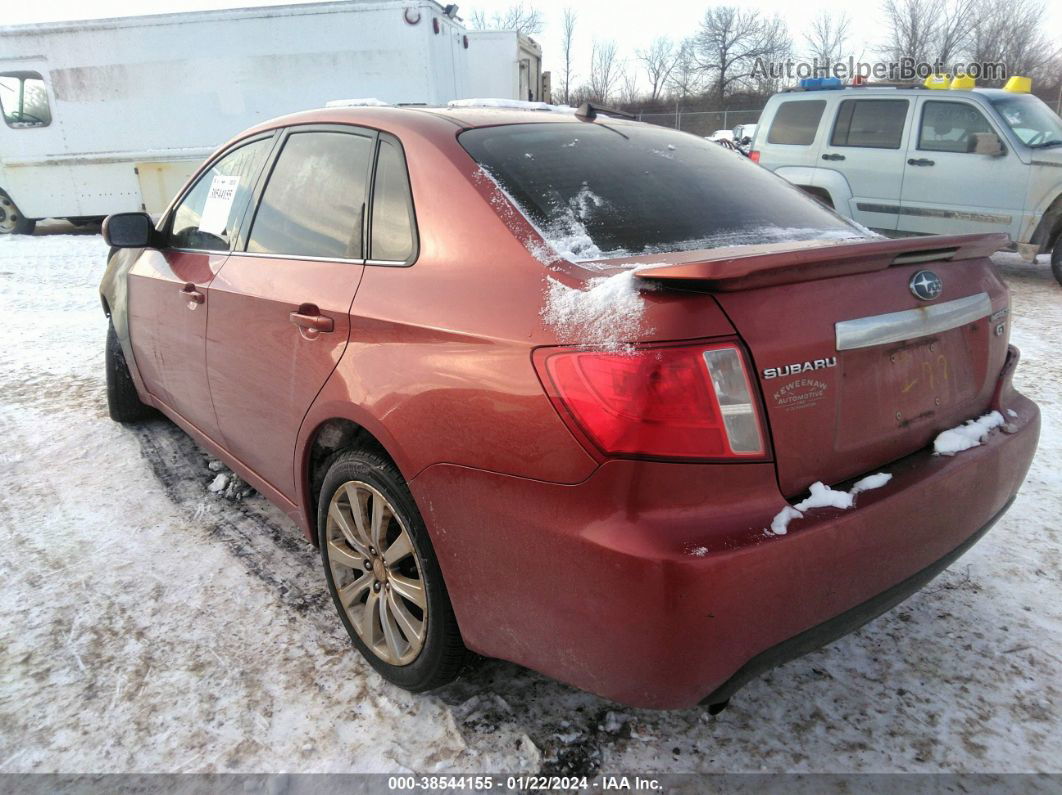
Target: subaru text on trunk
x=554, y=388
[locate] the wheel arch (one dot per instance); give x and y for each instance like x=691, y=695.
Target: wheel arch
x=326, y=437
x=1050, y=226
x=821, y=194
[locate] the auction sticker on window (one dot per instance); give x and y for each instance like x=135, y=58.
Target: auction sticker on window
x=219, y=201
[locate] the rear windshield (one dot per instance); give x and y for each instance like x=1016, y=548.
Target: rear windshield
x=596, y=191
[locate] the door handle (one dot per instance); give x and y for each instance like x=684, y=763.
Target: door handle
x=833, y=157
x=921, y=161
x=309, y=317
x=189, y=293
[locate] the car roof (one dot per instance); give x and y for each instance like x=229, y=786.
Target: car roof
x=427, y=120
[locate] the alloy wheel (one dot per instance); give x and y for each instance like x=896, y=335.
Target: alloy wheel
x=377, y=574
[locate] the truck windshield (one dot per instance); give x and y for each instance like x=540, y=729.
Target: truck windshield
x=599, y=191
x=1031, y=120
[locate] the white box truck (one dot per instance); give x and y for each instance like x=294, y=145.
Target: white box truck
x=112, y=115
x=502, y=63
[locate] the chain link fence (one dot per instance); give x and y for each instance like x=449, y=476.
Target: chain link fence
x=702, y=122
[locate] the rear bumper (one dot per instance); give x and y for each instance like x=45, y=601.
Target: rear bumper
x=656, y=585
x=847, y=622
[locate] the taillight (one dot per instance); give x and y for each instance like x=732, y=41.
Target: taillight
x=666, y=402
x=754, y=156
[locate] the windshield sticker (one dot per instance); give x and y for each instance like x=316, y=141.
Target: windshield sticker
x=218, y=204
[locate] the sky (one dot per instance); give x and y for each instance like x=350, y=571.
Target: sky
x=632, y=24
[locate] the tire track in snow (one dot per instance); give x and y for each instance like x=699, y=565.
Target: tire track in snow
x=249, y=534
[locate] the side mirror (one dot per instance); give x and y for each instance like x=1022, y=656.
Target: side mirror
x=988, y=143
x=128, y=230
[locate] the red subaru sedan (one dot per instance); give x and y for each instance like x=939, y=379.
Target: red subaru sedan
x=554, y=388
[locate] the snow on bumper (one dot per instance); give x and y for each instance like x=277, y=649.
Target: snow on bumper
x=653, y=583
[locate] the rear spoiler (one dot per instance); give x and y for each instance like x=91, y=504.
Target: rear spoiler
x=732, y=270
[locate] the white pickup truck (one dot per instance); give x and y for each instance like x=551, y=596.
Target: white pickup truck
x=912, y=160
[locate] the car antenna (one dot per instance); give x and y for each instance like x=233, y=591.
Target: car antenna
x=588, y=112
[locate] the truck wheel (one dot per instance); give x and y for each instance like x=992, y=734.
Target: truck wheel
x=12, y=221
x=383, y=574
x=123, y=403
x=1056, y=259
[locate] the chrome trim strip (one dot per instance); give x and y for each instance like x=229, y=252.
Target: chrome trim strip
x=259, y=255
x=393, y=263
x=865, y=332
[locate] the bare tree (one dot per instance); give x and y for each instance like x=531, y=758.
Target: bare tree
x=628, y=83
x=567, y=37
x=929, y=31
x=525, y=19
x=954, y=26
x=659, y=62
x=731, y=41
x=685, y=78
x=912, y=28
x=604, y=70
x=826, y=39
x=1012, y=32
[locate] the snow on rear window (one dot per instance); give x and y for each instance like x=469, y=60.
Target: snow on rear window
x=595, y=191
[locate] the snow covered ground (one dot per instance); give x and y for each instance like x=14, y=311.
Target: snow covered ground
x=149, y=624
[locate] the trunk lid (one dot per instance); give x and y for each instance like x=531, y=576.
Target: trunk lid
x=854, y=369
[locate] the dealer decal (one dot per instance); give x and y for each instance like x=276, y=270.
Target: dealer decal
x=799, y=394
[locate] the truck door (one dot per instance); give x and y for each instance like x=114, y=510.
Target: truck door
x=31, y=132
x=950, y=189
x=867, y=145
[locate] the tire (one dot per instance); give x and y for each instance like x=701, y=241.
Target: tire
x=1056, y=259
x=365, y=479
x=12, y=221
x=123, y=402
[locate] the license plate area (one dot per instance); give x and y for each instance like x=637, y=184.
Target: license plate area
x=925, y=376
x=907, y=385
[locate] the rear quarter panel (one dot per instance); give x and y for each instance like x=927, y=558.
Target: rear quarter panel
x=439, y=363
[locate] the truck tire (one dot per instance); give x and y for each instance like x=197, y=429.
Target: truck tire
x=12, y=222
x=123, y=402
x=1056, y=259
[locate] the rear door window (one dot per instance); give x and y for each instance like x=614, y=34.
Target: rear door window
x=393, y=230
x=870, y=123
x=209, y=214
x=796, y=121
x=611, y=189
x=951, y=127
x=314, y=202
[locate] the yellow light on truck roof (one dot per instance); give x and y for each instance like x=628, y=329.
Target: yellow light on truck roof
x=936, y=82
x=1018, y=85
x=962, y=83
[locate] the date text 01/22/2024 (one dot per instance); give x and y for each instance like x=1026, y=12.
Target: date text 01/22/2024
x=524, y=783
